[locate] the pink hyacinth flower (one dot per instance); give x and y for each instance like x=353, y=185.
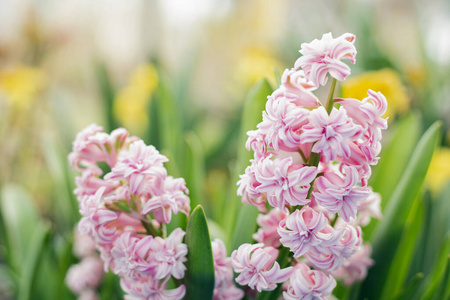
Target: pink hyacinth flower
x=128, y=255
x=294, y=82
x=309, y=284
x=340, y=195
x=90, y=182
x=87, y=274
x=355, y=267
x=256, y=142
x=150, y=288
x=95, y=217
x=257, y=267
x=92, y=145
x=168, y=197
x=324, y=56
x=332, y=133
x=282, y=121
x=138, y=165
x=283, y=181
x=224, y=288
x=83, y=245
x=369, y=208
x=268, y=225
x=368, y=113
x=345, y=242
x=167, y=256
x=248, y=189
x=304, y=229
x=88, y=295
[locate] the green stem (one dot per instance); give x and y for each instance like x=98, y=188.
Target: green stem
x=151, y=230
x=330, y=100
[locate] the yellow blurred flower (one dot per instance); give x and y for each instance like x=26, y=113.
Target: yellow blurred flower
x=255, y=64
x=21, y=85
x=386, y=81
x=438, y=174
x=131, y=103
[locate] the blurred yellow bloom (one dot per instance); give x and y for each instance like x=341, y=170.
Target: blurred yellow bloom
x=438, y=174
x=385, y=81
x=255, y=64
x=20, y=86
x=131, y=103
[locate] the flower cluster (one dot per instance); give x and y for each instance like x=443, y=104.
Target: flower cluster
x=126, y=198
x=308, y=178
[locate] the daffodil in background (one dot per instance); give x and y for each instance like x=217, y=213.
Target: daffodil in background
x=386, y=81
x=438, y=174
x=131, y=102
x=20, y=85
x=254, y=64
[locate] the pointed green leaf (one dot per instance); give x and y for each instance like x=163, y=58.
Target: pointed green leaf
x=199, y=277
x=251, y=116
x=387, y=235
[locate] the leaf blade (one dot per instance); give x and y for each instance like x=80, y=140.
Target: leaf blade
x=199, y=278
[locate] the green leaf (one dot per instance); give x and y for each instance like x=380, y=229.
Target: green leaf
x=199, y=278
x=245, y=226
x=399, y=268
x=393, y=159
x=35, y=250
x=108, y=94
x=194, y=163
x=411, y=288
x=169, y=118
x=388, y=234
x=64, y=202
x=251, y=116
x=438, y=227
x=20, y=217
x=435, y=284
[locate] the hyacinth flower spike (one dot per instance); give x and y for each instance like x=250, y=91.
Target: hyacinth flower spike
x=311, y=164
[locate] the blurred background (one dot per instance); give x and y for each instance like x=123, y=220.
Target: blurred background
x=66, y=64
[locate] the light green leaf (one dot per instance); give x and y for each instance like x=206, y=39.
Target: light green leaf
x=20, y=217
x=251, y=116
x=199, y=277
x=388, y=234
x=41, y=235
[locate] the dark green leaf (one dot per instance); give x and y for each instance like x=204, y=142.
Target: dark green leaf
x=199, y=277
